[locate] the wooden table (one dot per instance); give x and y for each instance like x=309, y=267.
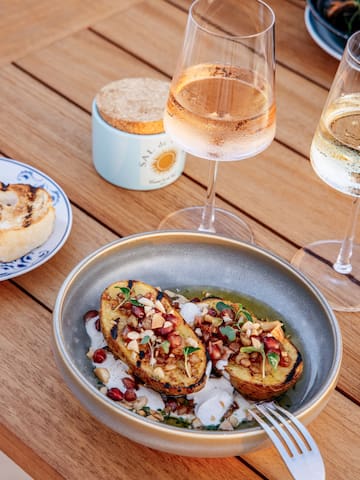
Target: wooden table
x=54, y=57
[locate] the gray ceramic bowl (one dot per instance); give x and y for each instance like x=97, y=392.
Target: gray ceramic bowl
x=169, y=259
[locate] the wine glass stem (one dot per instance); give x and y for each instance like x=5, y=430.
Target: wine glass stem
x=343, y=261
x=208, y=214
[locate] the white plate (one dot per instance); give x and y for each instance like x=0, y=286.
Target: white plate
x=12, y=171
x=322, y=37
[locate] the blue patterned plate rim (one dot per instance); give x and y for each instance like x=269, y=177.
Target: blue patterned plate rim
x=325, y=40
x=13, y=171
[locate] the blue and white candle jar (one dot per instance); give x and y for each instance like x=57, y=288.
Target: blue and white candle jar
x=129, y=145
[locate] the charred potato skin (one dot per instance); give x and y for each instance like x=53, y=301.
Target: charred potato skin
x=114, y=321
x=252, y=385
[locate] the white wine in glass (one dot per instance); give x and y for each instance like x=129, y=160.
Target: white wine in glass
x=334, y=265
x=221, y=105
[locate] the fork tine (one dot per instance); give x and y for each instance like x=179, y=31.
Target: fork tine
x=303, y=461
x=305, y=433
x=284, y=434
x=289, y=428
x=274, y=438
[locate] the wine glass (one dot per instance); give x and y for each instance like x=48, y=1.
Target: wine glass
x=333, y=265
x=221, y=105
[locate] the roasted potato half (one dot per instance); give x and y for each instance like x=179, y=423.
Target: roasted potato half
x=255, y=386
x=261, y=361
x=142, y=328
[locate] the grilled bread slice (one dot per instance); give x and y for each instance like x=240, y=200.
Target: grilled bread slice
x=27, y=218
x=261, y=361
x=142, y=328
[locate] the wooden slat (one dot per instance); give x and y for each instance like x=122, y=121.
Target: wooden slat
x=25, y=457
x=299, y=105
x=79, y=65
x=86, y=236
x=146, y=29
x=349, y=381
x=27, y=25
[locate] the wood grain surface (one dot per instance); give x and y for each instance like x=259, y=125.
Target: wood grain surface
x=54, y=57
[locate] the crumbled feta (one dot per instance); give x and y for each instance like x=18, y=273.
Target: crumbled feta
x=189, y=311
x=213, y=401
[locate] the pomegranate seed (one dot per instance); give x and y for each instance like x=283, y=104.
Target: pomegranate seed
x=171, y=405
x=171, y=318
x=130, y=395
x=284, y=361
x=271, y=344
x=165, y=330
x=214, y=351
x=139, y=312
x=115, y=394
x=99, y=355
x=175, y=340
x=129, y=382
x=90, y=314
x=212, y=312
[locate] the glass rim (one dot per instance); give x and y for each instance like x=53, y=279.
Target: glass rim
x=350, y=47
x=230, y=36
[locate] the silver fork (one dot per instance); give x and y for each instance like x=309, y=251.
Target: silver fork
x=292, y=440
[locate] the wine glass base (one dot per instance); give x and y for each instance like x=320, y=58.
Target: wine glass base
x=316, y=260
x=225, y=223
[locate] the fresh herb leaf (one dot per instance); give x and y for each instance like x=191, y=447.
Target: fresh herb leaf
x=145, y=340
x=228, y=332
x=237, y=315
x=125, y=290
x=211, y=427
x=250, y=349
x=165, y=345
x=274, y=359
x=177, y=421
x=247, y=315
x=188, y=351
x=133, y=301
x=220, y=306
x=243, y=311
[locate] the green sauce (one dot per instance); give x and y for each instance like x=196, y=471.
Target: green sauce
x=260, y=309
